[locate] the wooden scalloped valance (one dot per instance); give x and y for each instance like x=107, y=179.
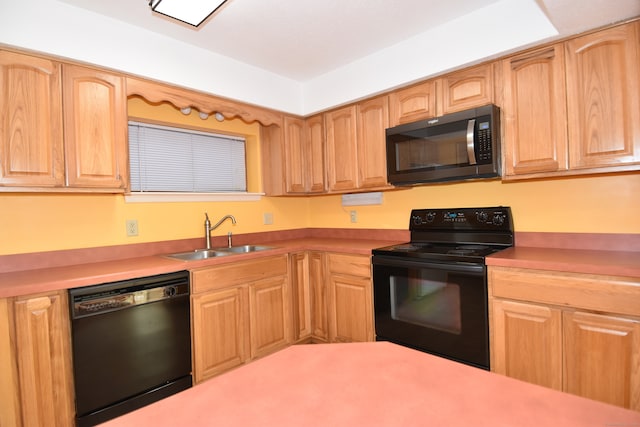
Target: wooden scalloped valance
x=183, y=98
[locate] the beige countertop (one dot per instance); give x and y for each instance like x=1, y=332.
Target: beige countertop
x=33, y=281
x=370, y=384
x=600, y=262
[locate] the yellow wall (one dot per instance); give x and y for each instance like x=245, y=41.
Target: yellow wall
x=600, y=204
x=45, y=222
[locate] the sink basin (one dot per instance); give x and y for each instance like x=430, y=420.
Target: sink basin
x=199, y=254
x=245, y=249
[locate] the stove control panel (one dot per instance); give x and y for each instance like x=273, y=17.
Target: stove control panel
x=497, y=218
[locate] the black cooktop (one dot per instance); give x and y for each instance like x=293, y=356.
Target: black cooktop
x=457, y=235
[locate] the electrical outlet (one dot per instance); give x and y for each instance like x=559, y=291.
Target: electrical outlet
x=132, y=227
x=354, y=216
x=268, y=218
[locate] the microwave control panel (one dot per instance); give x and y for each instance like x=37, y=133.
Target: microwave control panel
x=483, y=142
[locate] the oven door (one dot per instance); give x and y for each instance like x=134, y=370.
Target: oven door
x=439, y=308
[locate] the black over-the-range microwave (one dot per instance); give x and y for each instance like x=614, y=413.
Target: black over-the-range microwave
x=457, y=146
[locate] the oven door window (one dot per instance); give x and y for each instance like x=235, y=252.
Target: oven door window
x=426, y=299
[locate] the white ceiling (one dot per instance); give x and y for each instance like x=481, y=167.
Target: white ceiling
x=304, y=39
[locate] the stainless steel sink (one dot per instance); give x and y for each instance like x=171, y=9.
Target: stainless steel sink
x=200, y=254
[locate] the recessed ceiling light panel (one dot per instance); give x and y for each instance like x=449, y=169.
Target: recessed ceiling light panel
x=193, y=12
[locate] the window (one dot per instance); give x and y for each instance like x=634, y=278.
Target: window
x=166, y=159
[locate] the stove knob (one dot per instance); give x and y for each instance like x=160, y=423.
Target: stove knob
x=483, y=216
x=417, y=220
x=430, y=216
x=498, y=219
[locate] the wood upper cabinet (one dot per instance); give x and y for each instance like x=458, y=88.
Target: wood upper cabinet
x=578, y=333
x=304, y=154
x=43, y=359
x=241, y=311
x=461, y=90
x=31, y=150
x=314, y=153
x=534, y=112
x=350, y=305
x=603, y=91
x=295, y=160
x=413, y=103
x=372, y=121
x=341, y=148
x=95, y=120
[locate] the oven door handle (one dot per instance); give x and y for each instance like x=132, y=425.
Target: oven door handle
x=400, y=263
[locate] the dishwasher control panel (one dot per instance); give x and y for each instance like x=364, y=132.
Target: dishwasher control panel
x=107, y=297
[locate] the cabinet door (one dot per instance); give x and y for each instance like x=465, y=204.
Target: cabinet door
x=413, y=103
x=526, y=342
x=9, y=390
x=319, y=296
x=295, y=162
x=95, y=123
x=341, y=149
x=314, y=149
x=465, y=89
x=604, y=97
x=373, y=120
x=534, y=112
x=603, y=358
x=220, y=331
x=301, y=296
x=350, y=298
x=270, y=316
x=43, y=353
x=31, y=151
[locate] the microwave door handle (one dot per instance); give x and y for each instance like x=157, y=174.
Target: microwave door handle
x=471, y=143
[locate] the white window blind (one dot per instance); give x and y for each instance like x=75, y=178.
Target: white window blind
x=166, y=159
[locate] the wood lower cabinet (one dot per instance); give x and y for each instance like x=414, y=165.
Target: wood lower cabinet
x=220, y=332
x=241, y=311
x=319, y=289
x=37, y=386
x=300, y=295
x=573, y=332
x=350, y=307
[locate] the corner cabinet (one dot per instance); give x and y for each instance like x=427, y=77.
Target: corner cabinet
x=241, y=311
x=36, y=367
x=577, y=333
x=63, y=127
x=350, y=303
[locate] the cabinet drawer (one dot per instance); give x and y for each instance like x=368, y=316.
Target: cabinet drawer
x=353, y=265
x=593, y=292
x=237, y=273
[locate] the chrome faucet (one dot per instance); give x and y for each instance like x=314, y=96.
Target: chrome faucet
x=208, y=227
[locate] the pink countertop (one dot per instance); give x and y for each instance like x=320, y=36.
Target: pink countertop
x=36, y=280
x=370, y=384
x=609, y=263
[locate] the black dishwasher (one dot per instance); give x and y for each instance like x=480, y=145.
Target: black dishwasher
x=131, y=344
